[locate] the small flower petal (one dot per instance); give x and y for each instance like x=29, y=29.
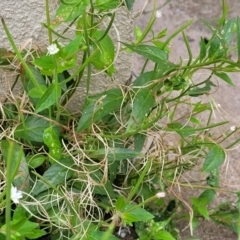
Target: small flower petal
x=15, y=194
x=52, y=49
x=123, y=231
x=160, y=194
x=158, y=14
x=233, y=128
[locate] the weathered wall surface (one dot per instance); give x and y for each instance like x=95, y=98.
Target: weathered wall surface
x=23, y=19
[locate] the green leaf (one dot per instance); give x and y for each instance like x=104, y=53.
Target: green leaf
x=228, y=215
x=6, y=56
x=50, y=97
x=15, y=225
x=142, y=105
x=63, y=60
x=215, y=157
x=217, y=48
x=50, y=138
x=35, y=161
x=213, y=178
x=72, y=48
x=104, y=58
x=115, y=154
x=203, y=50
x=99, y=106
x=106, y=188
x=22, y=181
x=129, y=4
x=120, y=203
x=195, y=120
x=201, y=107
x=224, y=77
x=198, y=91
x=139, y=140
x=55, y=175
x=202, y=209
x=238, y=38
x=2, y=236
x=32, y=129
x=69, y=12
x=30, y=230
x=162, y=34
x=105, y=5
x=10, y=111
x=19, y=213
x=33, y=92
x=150, y=52
x=64, y=234
x=136, y=215
x=161, y=45
x=138, y=33
x=164, y=67
x=37, y=92
x=96, y=235
x=155, y=231
x=176, y=83
x=183, y=131
x=206, y=23
x=23, y=227
x=163, y=234
x=202, y=201
x=144, y=78
x=47, y=64
x=28, y=84
x=14, y=155
x=228, y=30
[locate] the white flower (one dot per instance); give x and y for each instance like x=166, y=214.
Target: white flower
x=15, y=194
x=52, y=49
x=160, y=194
x=218, y=105
x=158, y=14
x=233, y=128
x=123, y=231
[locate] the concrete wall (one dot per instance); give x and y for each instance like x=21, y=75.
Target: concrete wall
x=23, y=19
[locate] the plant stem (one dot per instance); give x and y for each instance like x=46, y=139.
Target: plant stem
x=176, y=33
x=238, y=223
x=140, y=180
x=202, y=187
x=25, y=66
x=224, y=13
x=107, y=29
x=88, y=44
x=9, y=152
x=188, y=48
x=149, y=25
x=55, y=32
x=48, y=21
x=8, y=193
x=234, y=143
x=109, y=231
x=141, y=204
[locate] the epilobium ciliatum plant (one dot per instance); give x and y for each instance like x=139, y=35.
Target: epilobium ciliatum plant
x=111, y=172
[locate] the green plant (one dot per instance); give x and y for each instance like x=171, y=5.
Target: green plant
x=104, y=174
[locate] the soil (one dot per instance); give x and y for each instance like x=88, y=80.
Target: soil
x=174, y=14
